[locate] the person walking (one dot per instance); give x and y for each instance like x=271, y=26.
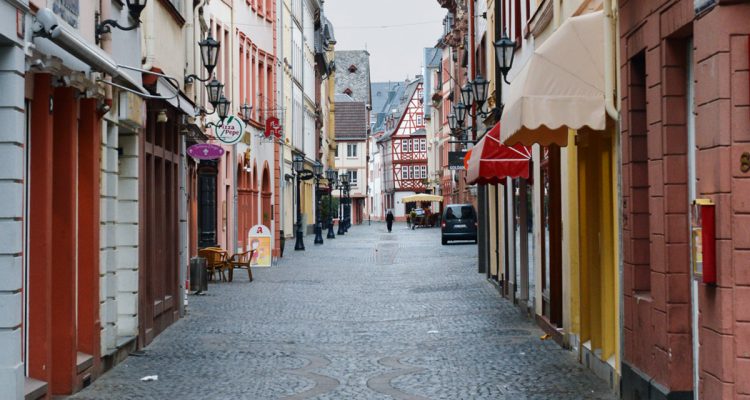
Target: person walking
x=389, y=220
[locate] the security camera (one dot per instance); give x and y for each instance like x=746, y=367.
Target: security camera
x=45, y=24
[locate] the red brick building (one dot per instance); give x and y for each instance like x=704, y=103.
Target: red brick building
x=685, y=134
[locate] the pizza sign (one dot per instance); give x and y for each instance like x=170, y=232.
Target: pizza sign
x=230, y=131
x=273, y=127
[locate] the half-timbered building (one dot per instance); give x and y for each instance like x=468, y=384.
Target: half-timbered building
x=404, y=151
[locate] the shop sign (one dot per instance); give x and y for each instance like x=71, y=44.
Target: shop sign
x=306, y=175
x=259, y=240
x=205, y=151
x=273, y=127
x=67, y=10
x=456, y=160
x=230, y=131
x=703, y=5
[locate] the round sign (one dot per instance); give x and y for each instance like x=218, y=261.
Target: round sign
x=230, y=131
x=205, y=151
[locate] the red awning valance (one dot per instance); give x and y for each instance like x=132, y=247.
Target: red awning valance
x=490, y=161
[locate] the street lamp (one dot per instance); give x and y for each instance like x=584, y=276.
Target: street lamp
x=215, y=89
x=467, y=93
x=299, y=165
x=460, y=110
x=479, y=89
x=209, y=57
x=332, y=176
x=246, y=110
x=135, y=7
x=505, y=49
x=318, y=171
x=343, y=180
x=222, y=108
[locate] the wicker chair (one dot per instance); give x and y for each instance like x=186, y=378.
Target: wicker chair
x=241, y=260
x=216, y=260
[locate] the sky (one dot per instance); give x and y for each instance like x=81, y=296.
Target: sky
x=395, y=32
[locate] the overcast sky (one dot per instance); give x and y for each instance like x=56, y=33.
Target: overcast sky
x=393, y=31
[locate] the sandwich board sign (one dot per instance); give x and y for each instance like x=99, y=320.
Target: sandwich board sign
x=260, y=240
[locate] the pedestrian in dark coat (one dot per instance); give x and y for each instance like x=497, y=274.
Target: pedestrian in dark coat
x=389, y=220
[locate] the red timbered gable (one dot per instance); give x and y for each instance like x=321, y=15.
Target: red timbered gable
x=408, y=147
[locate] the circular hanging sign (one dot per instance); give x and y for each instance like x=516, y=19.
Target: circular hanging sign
x=205, y=151
x=230, y=131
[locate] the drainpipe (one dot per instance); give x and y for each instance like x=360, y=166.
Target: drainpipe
x=610, y=54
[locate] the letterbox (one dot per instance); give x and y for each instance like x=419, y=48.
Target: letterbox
x=703, y=240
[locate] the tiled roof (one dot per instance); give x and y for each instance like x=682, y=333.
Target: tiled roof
x=351, y=120
x=359, y=81
x=403, y=103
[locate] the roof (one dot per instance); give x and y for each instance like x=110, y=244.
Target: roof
x=351, y=120
x=386, y=98
x=342, y=98
x=403, y=104
x=433, y=57
x=359, y=80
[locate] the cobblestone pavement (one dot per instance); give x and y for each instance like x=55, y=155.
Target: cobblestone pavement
x=368, y=315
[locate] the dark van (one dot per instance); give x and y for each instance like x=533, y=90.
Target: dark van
x=459, y=223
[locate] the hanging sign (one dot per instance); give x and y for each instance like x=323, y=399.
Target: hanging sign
x=205, y=151
x=456, y=160
x=260, y=240
x=273, y=127
x=306, y=175
x=230, y=131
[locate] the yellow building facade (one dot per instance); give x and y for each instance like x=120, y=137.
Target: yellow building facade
x=554, y=239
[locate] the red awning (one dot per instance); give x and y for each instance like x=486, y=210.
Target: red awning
x=490, y=161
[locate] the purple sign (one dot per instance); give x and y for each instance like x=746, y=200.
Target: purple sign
x=205, y=151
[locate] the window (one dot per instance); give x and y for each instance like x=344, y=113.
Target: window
x=420, y=120
x=404, y=172
x=351, y=150
x=352, y=68
x=405, y=145
x=422, y=144
x=352, y=178
x=424, y=171
x=348, y=92
x=336, y=154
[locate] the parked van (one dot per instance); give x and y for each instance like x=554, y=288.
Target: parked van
x=459, y=223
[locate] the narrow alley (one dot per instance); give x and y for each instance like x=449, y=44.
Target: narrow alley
x=368, y=315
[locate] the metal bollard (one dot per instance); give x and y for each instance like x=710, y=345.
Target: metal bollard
x=198, y=275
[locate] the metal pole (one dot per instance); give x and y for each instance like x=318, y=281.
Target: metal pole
x=341, y=210
x=299, y=244
x=330, y=235
x=318, y=223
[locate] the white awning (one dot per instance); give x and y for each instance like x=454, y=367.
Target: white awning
x=561, y=87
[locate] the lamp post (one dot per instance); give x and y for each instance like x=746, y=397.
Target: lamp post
x=299, y=165
x=332, y=175
x=318, y=171
x=222, y=108
x=342, y=223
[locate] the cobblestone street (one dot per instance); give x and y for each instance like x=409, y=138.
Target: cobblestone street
x=369, y=315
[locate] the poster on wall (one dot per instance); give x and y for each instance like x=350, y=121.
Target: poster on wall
x=260, y=240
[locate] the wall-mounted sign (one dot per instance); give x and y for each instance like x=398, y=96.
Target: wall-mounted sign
x=273, y=127
x=205, y=151
x=230, y=131
x=260, y=239
x=456, y=160
x=67, y=10
x=703, y=5
x=306, y=175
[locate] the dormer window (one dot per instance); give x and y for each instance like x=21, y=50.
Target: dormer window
x=352, y=68
x=348, y=92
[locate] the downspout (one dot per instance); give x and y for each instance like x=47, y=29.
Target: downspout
x=610, y=64
x=611, y=106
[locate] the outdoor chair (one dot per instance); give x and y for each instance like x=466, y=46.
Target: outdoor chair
x=241, y=260
x=216, y=261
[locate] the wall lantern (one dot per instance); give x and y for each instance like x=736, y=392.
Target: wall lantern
x=222, y=107
x=460, y=111
x=214, y=91
x=209, y=56
x=318, y=169
x=298, y=164
x=505, y=49
x=135, y=7
x=479, y=86
x=332, y=175
x=467, y=94
x=246, y=110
